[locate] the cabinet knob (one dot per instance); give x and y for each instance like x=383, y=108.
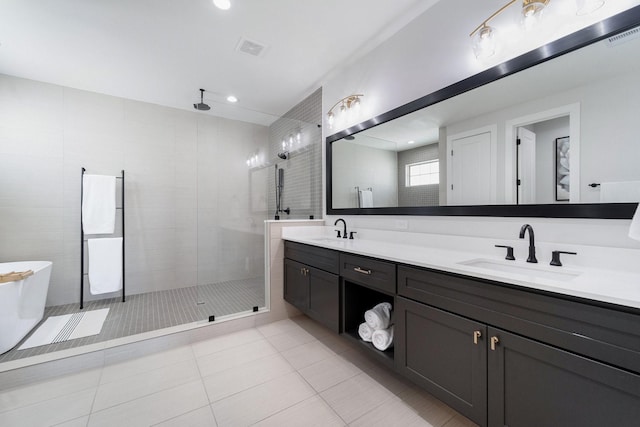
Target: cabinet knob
x=476, y=335
x=494, y=342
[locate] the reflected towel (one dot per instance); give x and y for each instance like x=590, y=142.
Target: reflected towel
x=98, y=204
x=105, y=265
x=366, y=199
x=620, y=192
x=379, y=317
x=382, y=339
x=365, y=331
x=634, y=230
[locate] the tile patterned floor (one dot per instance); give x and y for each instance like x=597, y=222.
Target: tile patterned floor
x=155, y=310
x=288, y=373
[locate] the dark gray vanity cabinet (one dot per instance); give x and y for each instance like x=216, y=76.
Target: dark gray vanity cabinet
x=445, y=354
x=314, y=291
x=532, y=384
x=508, y=357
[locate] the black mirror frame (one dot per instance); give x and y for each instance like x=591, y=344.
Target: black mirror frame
x=594, y=33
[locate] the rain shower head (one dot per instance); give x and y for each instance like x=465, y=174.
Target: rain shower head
x=284, y=155
x=201, y=106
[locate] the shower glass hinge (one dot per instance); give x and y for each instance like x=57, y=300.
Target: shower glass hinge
x=255, y=308
x=212, y=318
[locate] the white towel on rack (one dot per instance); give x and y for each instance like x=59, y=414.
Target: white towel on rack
x=98, y=204
x=620, y=192
x=105, y=265
x=366, y=198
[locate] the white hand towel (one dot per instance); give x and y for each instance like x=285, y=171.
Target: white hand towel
x=634, y=230
x=366, y=199
x=382, y=339
x=620, y=192
x=105, y=265
x=98, y=204
x=365, y=331
x=379, y=317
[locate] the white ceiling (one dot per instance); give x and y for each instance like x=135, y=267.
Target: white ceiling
x=163, y=51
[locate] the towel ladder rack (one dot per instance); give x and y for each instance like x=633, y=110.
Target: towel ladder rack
x=82, y=239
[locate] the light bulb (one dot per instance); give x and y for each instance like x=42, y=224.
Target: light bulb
x=330, y=118
x=284, y=145
x=298, y=137
x=531, y=13
x=484, y=42
x=222, y=4
x=356, y=104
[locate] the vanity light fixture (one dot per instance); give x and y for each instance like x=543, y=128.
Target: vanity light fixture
x=347, y=104
x=222, y=4
x=483, y=38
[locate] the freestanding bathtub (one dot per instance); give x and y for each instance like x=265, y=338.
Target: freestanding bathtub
x=22, y=302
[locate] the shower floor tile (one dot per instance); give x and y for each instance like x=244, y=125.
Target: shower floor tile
x=154, y=310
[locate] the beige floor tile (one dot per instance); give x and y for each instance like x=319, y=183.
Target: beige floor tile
x=313, y=327
x=356, y=357
x=313, y=412
x=356, y=396
x=288, y=340
x=232, y=357
x=50, y=412
x=242, y=377
x=154, y=408
x=389, y=379
x=78, y=422
x=307, y=354
x=46, y=390
x=427, y=406
x=279, y=327
x=329, y=372
x=118, y=371
x=225, y=342
x=116, y=392
x=393, y=413
x=202, y=417
x=262, y=401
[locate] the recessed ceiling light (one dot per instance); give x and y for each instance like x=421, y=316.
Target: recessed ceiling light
x=232, y=98
x=411, y=142
x=222, y=4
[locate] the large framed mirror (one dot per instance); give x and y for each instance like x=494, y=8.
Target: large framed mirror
x=547, y=134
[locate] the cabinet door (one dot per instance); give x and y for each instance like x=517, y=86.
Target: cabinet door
x=324, y=298
x=296, y=284
x=533, y=384
x=445, y=354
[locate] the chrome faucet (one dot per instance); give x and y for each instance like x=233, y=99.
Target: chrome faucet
x=532, y=244
x=344, y=234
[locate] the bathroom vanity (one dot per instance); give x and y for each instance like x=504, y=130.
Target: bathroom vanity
x=511, y=352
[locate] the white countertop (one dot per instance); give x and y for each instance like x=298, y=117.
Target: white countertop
x=609, y=275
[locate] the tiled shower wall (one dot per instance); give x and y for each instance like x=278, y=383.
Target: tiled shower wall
x=188, y=188
x=302, y=192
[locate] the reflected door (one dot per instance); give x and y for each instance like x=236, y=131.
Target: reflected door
x=471, y=170
x=526, y=155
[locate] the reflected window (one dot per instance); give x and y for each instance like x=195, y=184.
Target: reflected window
x=423, y=173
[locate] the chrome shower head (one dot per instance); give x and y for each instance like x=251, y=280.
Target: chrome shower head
x=284, y=155
x=201, y=106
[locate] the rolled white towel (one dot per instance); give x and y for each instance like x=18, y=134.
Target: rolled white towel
x=365, y=331
x=379, y=317
x=382, y=339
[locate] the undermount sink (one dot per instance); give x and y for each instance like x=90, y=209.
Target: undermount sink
x=533, y=270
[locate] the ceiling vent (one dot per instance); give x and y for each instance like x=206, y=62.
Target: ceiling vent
x=620, y=38
x=251, y=47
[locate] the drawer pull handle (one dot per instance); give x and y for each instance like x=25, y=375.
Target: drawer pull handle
x=359, y=270
x=494, y=341
x=476, y=335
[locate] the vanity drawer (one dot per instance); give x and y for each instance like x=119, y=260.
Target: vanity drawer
x=373, y=273
x=324, y=259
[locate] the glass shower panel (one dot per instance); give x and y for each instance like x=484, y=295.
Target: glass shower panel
x=232, y=194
